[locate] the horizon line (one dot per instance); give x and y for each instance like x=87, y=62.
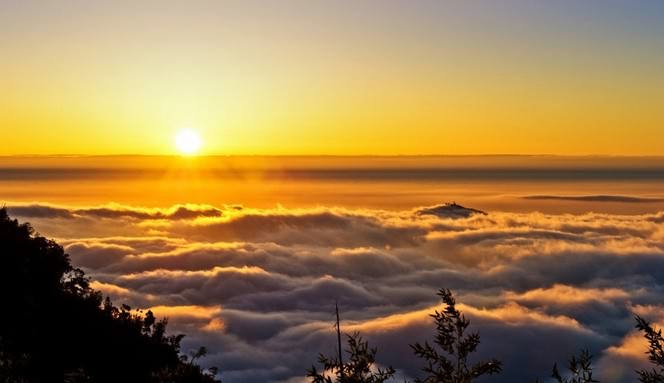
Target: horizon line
x=192, y=157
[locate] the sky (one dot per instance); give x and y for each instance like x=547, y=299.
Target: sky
x=346, y=77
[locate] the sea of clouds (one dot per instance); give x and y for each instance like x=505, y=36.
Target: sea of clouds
x=257, y=287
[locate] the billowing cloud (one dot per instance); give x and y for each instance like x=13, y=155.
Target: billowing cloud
x=595, y=198
x=111, y=211
x=258, y=286
x=39, y=211
x=562, y=294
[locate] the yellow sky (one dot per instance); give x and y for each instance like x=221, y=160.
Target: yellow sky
x=309, y=78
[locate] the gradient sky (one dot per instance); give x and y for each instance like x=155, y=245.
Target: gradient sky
x=343, y=77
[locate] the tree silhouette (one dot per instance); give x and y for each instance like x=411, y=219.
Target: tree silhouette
x=580, y=368
x=452, y=365
x=655, y=352
x=358, y=369
x=188, y=371
x=55, y=328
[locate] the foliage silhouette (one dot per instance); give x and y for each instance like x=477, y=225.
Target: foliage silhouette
x=55, y=328
x=580, y=368
x=452, y=365
x=359, y=368
x=655, y=352
x=188, y=371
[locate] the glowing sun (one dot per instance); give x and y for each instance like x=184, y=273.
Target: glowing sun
x=188, y=142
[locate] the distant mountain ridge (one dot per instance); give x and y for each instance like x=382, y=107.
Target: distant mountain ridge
x=450, y=210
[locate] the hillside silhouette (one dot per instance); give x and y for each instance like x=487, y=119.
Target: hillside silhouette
x=451, y=210
x=55, y=328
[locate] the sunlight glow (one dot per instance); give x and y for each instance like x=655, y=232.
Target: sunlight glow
x=188, y=142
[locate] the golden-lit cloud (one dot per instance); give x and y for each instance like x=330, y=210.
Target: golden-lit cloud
x=515, y=315
x=632, y=346
x=563, y=294
x=186, y=311
x=110, y=289
x=509, y=314
x=217, y=270
x=264, y=281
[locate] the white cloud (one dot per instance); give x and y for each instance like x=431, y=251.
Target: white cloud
x=258, y=287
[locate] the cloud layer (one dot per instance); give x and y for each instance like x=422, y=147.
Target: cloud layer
x=595, y=198
x=258, y=287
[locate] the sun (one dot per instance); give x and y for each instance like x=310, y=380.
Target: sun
x=188, y=142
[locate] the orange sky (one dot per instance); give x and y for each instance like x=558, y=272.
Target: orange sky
x=323, y=78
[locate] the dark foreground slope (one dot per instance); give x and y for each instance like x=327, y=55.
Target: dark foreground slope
x=55, y=328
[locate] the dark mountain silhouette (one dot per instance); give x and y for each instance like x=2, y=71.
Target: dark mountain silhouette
x=450, y=210
x=55, y=328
